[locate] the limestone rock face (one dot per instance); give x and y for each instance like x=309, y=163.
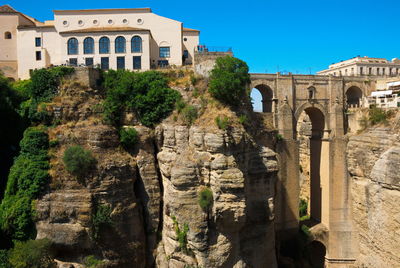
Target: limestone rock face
x=238, y=229
x=373, y=159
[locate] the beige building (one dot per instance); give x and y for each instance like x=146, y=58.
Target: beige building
x=361, y=66
x=134, y=39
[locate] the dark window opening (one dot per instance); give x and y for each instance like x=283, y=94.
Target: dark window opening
x=38, y=55
x=137, y=62
x=88, y=45
x=120, y=63
x=38, y=42
x=72, y=46
x=89, y=61
x=104, y=64
x=136, y=44
x=163, y=63
x=104, y=45
x=120, y=43
x=7, y=35
x=73, y=61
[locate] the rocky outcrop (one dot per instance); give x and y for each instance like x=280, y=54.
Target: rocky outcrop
x=373, y=163
x=238, y=231
x=153, y=191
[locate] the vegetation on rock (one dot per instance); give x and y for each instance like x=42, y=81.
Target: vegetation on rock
x=101, y=218
x=205, y=199
x=228, y=80
x=128, y=137
x=146, y=94
x=222, y=122
x=27, y=179
x=32, y=254
x=181, y=235
x=92, y=262
x=78, y=161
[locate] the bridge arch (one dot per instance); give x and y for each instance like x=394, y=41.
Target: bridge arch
x=353, y=96
x=312, y=144
x=267, y=95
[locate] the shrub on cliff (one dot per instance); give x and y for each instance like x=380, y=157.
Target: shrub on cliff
x=205, y=199
x=228, y=80
x=128, y=137
x=78, y=161
x=146, y=94
x=27, y=179
x=101, y=218
x=32, y=254
x=41, y=88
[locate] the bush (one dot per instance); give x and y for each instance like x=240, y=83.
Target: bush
x=205, y=199
x=303, y=208
x=32, y=254
x=377, y=115
x=243, y=119
x=4, y=263
x=92, y=262
x=128, y=137
x=101, y=218
x=145, y=93
x=78, y=161
x=27, y=179
x=228, y=80
x=189, y=114
x=181, y=235
x=222, y=123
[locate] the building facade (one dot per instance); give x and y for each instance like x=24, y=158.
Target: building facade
x=134, y=39
x=364, y=66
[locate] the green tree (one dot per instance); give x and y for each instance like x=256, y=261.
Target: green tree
x=101, y=218
x=228, y=80
x=205, y=199
x=32, y=254
x=78, y=161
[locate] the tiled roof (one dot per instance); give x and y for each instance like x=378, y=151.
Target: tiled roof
x=190, y=30
x=105, y=29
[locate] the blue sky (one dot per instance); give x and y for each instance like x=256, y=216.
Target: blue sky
x=295, y=36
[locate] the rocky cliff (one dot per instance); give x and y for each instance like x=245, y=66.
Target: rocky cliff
x=373, y=164
x=153, y=189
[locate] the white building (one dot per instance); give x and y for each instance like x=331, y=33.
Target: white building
x=134, y=39
x=364, y=66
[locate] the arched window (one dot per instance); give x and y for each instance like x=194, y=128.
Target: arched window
x=72, y=46
x=136, y=44
x=311, y=93
x=104, y=45
x=88, y=45
x=7, y=35
x=120, y=43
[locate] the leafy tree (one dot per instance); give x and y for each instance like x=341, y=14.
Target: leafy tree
x=4, y=263
x=78, y=161
x=92, y=262
x=32, y=254
x=146, y=93
x=228, y=80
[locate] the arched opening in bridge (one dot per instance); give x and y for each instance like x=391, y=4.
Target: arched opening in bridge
x=317, y=254
x=262, y=96
x=353, y=97
x=310, y=129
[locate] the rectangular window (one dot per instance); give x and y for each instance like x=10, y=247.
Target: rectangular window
x=164, y=52
x=163, y=63
x=377, y=71
x=38, y=55
x=370, y=71
x=104, y=64
x=73, y=61
x=38, y=42
x=361, y=70
x=137, y=62
x=89, y=61
x=120, y=63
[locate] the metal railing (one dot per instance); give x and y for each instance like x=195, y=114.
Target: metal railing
x=205, y=49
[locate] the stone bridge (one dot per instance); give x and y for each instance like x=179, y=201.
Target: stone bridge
x=325, y=99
